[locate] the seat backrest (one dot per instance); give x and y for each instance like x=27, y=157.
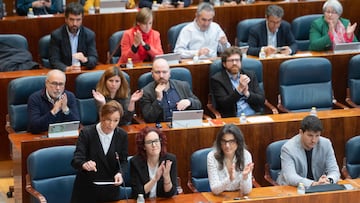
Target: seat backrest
x=125, y=190
x=178, y=73
x=44, y=44
x=84, y=84
x=51, y=173
x=19, y=90
x=114, y=43
x=354, y=79
x=300, y=27
x=352, y=151
x=173, y=34
x=273, y=160
x=198, y=167
x=306, y=83
x=242, y=30
x=14, y=40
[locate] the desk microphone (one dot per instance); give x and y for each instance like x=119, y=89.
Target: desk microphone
x=122, y=174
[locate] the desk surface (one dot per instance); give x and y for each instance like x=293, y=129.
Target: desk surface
x=339, y=126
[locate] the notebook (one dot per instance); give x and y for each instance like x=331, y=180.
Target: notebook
x=186, y=119
x=347, y=47
x=171, y=58
x=64, y=129
x=112, y=6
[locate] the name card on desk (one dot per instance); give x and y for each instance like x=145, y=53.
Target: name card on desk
x=259, y=119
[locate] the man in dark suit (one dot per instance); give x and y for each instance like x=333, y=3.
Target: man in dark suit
x=73, y=45
x=273, y=35
x=235, y=90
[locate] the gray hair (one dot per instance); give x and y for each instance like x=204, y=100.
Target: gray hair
x=204, y=6
x=335, y=4
x=274, y=10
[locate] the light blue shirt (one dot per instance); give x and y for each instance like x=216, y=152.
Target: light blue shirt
x=271, y=37
x=74, y=39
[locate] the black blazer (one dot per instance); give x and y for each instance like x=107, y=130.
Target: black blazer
x=140, y=176
x=88, y=147
x=60, y=49
x=258, y=38
x=226, y=96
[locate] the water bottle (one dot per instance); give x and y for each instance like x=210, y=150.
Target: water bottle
x=217, y=3
x=196, y=58
x=301, y=189
x=140, y=198
x=30, y=13
x=242, y=118
x=154, y=6
x=313, y=111
x=92, y=10
x=262, y=54
x=129, y=63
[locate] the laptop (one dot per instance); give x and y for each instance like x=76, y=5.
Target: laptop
x=64, y=129
x=187, y=119
x=347, y=47
x=112, y=6
x=171, y=58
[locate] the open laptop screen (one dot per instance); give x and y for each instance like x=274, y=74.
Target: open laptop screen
x=171, y=58
x=186, y=119
x=64, y=129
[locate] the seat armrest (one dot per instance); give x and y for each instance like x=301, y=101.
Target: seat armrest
x=339, y=105
x=138, y=120
x=267, y=175
x=190, y=184
x=34, y=192
x=349, y=101
x=280, y=106
x=271, y=107
x=344, y=170
x=8, y=127
x=255, y=183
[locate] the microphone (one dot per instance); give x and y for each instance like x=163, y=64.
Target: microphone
x=123, y=174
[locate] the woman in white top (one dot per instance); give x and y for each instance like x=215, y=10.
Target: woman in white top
x=229, y=164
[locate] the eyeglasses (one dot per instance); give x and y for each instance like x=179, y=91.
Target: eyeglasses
x=158, y=72
x=56, y=84
x=151, y=142
x=330, y=12
x=230, y=142
x=233, y=60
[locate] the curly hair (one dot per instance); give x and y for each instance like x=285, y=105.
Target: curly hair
x=140, y=137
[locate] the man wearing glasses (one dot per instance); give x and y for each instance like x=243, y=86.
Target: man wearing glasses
x=273, y=35
x=53, y=104
x=164, y=95
x=235, y=90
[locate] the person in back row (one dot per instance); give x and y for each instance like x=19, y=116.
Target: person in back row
x=273, y=35
x=53, y=104
x=39, y=7
x=141, y=43
x=73, y=45
x=164, y=95
x=235, y=90
x=308, y=157
x=331, y=29
x=202, y=37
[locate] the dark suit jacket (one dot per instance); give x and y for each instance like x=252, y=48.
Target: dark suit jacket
x=60, y=48
x=88, y=147
x=226, y=96
x=140, y=176
x=258, y=38
x=150, y=108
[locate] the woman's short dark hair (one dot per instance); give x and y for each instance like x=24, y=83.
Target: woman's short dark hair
x=140, y=138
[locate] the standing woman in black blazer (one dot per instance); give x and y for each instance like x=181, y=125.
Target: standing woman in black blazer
x=100, y=150
x=153, y=170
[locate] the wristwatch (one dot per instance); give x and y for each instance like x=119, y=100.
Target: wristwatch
x=331, y=180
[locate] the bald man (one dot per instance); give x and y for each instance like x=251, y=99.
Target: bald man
x=53, y=104
x=164, y=95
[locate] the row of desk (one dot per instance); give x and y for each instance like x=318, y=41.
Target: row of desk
x=275, y=194
x=339, y=126
x=104, y=25
x=200, y=79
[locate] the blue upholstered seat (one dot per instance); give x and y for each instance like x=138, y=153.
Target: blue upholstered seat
x=51, y=174
x=300, y=27
x=127, y=186
x=353, y=93
x=44, y=44
x=114, y=44
x=19, y=90
x=198, y=180
x=351, y=167
x=173, y=34
x=14, y=40
x=273, y=161
x=242, y=30
x=305, y=83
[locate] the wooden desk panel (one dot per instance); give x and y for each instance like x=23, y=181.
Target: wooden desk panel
x=339, y=126
x=106, y=24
